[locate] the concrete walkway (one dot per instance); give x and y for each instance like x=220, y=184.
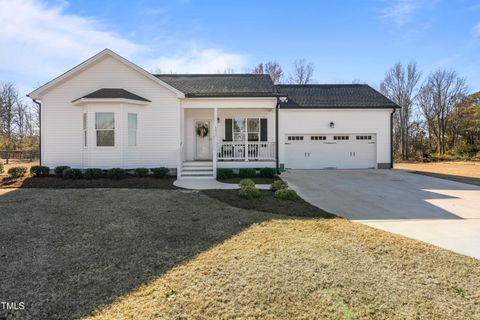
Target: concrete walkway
x=437, y=211
x=210, y=184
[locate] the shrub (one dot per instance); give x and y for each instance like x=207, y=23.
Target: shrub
x=116, y=173
x=246, y=183
x=278, y=185
x=73, y=174
x=94, y=173
x=59, y=170
x=249, y=192
x=141, y=172
x=247, y=173
x=1, y=168
x=286, y=194
x=17, y=172
x=39, y=171
x=161, y=172
x=223, y=174
x=268, y=172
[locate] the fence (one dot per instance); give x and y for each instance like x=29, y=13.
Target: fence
x=19, y=155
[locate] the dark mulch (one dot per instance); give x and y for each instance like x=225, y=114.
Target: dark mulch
x=268, y=203
x=257, y=180
x=59, y=183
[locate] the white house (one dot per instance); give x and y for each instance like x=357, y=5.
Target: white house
x=108, y=112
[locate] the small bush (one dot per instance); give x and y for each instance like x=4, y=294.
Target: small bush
x=268, y=172
x=161, y=172
x=247, y=173
x=223, y=174
x=1, y=168
x=39, y=171
x=286, y=194
x=278, y=185
x=59, y=170
x=246, y=183
x=94, y=173
x=72, y=174
x=141, y=172
x=116, y=173
x=249, y=192
x=17, y=172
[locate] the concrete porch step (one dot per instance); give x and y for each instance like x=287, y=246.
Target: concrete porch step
x=197, y=164
x=199, y=173
x=197, y=168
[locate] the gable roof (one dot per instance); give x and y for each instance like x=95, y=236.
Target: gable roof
x=36, y=94
x=221, y=85
x=333, y=96
x=112, y=93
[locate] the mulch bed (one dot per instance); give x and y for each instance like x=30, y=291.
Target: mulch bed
x=58, y=183
x=257, y=180
x=268, y=203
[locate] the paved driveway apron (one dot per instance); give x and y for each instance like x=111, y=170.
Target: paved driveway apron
x=441, y=212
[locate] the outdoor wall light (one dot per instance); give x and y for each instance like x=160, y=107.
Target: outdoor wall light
x=332, y=124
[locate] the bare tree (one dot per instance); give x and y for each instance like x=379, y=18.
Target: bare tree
x=271, y=68
x=259, y=69
x=302, y=72
x=401, y=86
x=447, y=89
x=9, y=100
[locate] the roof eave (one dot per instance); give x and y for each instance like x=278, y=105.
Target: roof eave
x=82, y=101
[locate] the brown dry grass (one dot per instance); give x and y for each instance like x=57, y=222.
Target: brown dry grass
x=17, y=163
x=311, y=269
x=467, y=172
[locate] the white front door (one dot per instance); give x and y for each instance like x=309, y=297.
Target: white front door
x=203, y=140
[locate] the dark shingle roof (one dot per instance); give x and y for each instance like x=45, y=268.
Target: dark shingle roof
x=112, y=93
x=221, y=85
x=333, y=96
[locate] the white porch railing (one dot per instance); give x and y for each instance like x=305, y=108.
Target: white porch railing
x=257, y=150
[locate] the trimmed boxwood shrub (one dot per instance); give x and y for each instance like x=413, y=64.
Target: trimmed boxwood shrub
x=286, y=194
x=247, y=173
x=59, y=170
x=246, y=183
x=116, y=173
x=1, y=168
x=94, y=173
x=17, y=172
x=73, y=174
x=223, y=174
x=268, y=172
x=161, y=172
x=278, y=185
x=141, y=172
x=249, y=192
x=39, y=171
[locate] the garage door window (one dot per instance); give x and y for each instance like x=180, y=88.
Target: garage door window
x=295, y=138
x=364, y=137
x=341, y=137
x=318, y=138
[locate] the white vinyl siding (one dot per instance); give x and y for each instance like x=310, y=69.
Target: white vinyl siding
x=132, y=129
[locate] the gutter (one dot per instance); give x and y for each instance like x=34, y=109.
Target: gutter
x=391, y=138
x=39, y=104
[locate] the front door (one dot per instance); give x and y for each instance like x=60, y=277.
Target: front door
x=203, y=145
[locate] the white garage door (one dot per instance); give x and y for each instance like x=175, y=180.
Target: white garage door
x=322, y=151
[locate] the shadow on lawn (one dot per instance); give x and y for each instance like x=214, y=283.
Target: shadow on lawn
x=64, y=253
x=468, y=180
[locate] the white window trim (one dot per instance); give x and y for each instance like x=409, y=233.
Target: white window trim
x=246, y=132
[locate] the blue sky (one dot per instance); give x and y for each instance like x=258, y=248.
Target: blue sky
x=345, y=40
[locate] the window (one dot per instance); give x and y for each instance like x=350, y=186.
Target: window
x=105, y=129
x=85, y=130
x=341, y=137
x=132, y=129
x=246, y=128
x=295, y=138
x=318, y=138
x=364, y=137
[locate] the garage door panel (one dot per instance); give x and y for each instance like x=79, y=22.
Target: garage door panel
x=320, y=151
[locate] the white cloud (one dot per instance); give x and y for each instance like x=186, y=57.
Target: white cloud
x=199, y=61
x=39, y=41
x=400, y=11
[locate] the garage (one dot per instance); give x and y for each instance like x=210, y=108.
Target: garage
x=330, y=151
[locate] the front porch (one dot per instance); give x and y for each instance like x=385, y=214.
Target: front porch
x=225, y=138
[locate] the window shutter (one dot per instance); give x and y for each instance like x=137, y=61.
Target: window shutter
x=263, y=130
x=228, y=129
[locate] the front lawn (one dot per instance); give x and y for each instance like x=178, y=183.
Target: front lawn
x=179, y=254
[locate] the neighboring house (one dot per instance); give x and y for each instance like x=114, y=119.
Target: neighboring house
x=107, y=112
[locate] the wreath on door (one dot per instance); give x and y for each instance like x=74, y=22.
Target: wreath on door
x=202, y=130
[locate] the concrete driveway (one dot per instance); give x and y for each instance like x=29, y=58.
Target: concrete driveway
x=441, y=212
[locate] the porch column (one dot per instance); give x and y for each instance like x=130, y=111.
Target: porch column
x=246, y=139
x=214, y=147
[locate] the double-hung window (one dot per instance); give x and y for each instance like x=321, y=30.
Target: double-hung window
x=132, y=129
x=85, y=130
x=246, y=128
x=105, y=129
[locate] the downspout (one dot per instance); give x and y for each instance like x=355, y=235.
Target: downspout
x=277, y=165
x=391, y=138
x=39, y=104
